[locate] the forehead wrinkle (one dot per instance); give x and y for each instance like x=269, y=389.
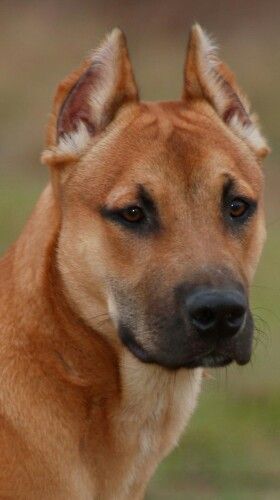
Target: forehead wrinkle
x=161, y=118
x=169, y=118
x=204, y=117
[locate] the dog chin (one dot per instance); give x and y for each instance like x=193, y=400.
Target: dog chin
x=211, y=361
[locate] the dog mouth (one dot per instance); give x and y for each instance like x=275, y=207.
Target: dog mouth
x=213, y=358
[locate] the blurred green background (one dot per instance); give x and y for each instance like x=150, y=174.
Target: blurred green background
x=231, y=449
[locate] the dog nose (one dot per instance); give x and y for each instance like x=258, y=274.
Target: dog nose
x=214, y=311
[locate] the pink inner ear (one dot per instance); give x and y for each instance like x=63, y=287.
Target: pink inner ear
x=76, y=106
x=235, y=110
x=235, y=107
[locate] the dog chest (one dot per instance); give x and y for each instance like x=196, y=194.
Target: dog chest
x=155, y=408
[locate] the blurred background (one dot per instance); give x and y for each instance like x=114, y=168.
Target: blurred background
x=231, y=449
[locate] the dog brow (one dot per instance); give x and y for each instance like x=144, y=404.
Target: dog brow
x=232, y=184
x=146, y=199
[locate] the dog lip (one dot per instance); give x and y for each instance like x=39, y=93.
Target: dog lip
x=243, y=359
x=207, y=361
x=138, y=351
x=213, y=360
x=133, y=346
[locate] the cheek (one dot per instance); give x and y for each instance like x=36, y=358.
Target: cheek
x=113, y=309
x=253, y=248
x=126, y=255
x=96, y=251
x=80, y=250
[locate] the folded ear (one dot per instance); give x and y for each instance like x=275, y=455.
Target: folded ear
x=88, y=99
x=206, y=77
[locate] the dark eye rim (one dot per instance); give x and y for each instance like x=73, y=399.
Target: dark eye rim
x=250, y=209
x=124, y=211
x=144, y=225
x=243, y=205
x=149, y=224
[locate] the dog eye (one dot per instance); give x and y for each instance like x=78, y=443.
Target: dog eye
x=132, y=214
x=238, y=208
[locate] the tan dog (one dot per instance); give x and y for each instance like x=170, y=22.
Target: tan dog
x=131, y=275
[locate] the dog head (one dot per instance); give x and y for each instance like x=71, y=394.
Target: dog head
x=162, y=220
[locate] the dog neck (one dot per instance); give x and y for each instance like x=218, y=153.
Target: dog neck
x=35, y=308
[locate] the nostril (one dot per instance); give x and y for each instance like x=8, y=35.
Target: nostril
x=204, y=318
x=235, y=317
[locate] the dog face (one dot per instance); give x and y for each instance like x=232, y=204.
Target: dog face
x=162, y=218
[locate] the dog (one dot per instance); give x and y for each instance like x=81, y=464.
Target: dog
x=131, y=276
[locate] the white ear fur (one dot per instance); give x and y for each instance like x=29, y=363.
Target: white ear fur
x=114, y=66
x=69, y=147
x=207, y=77
x=88, y=99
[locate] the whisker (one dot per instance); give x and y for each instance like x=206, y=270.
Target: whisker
x=102, y=322
x=92, y=318
x=265, y=287
x=266, y=309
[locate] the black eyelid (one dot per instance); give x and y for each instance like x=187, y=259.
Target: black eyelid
x=149, y=224
x=252, y=204
x=117, y=212
x=246, y=199
x=236, y=222
x=129, y=207
x=143, y=227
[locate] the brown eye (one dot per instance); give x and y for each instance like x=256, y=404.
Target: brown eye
x=132, y=214
x=238, y=208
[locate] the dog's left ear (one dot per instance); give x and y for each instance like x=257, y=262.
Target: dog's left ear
x=88, y=100
x=206, y=77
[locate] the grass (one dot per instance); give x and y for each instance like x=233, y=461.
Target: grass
x=230, y=450
x=18, y=195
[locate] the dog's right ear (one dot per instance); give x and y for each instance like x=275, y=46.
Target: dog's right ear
x=207, y=77
x=88, y=99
